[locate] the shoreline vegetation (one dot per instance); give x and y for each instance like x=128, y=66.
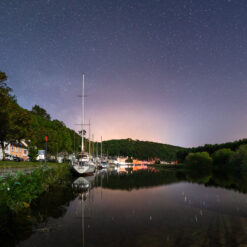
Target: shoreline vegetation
x=223, y=160
x=25, y=164
x=20, y=191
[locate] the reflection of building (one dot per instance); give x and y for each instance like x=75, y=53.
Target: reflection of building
x=122, y=160
x=143, y=162
x=139, y=167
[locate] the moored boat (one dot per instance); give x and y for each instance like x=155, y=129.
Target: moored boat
x=84, y=164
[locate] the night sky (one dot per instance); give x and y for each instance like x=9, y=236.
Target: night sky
x=171, y=71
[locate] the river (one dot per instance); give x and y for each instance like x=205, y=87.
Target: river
x=135, y=208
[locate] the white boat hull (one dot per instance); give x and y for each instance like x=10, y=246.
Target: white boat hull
x=86, y=168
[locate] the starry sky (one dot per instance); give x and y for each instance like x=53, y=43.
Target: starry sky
x=171, y=71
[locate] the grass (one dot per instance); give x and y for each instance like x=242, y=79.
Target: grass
x=23, y=164
x=18, y=192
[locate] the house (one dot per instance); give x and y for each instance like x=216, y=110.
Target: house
x=16, y=149
x=19, y=149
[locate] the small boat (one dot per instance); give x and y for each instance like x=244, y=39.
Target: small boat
x=104, y=164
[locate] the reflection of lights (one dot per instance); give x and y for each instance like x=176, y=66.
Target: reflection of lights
x=141, y=167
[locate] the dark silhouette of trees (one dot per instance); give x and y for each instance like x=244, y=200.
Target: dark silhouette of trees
x=41, y=112
x=14, y=120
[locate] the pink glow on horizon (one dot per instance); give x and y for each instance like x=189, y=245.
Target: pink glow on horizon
x=120, y=123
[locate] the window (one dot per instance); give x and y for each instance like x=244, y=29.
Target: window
x=24, y=151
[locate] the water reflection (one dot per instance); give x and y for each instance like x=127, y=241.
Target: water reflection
x=14, y=227
x=135, y=207
x=82, y=186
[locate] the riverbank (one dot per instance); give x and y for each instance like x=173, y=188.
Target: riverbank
x=24, y=164
x=161, y=166
x=18, y=192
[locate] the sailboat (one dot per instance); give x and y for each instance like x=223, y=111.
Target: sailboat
x=83, y=165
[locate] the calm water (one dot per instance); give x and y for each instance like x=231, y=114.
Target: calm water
x=135, y=208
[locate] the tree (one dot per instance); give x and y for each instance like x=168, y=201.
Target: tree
x=84, y=132
x=14, y=120
x=239, y=159
x=41, y=112
x=222, y=157
x=157, y=162
x=200, y=160
x=32, y=153
x=129, y=160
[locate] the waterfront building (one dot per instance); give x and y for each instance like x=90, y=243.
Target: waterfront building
x=16, y=149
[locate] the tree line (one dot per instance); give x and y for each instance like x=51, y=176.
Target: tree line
x=223, y=160
x=209, y=148
x=17, y=124
x=143, y=150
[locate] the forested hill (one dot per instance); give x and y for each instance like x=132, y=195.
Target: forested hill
x=210, y=148
x=60, y=138
x=140, y=149
x=18, y=123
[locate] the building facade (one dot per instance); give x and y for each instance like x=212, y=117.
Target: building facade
x=15, y=149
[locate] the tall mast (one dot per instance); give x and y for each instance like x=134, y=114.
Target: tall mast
x=82, y=114
x=93, y=145
x=89, y=141
x=101, y=147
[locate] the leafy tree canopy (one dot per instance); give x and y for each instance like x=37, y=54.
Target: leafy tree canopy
x=199, y=160
x=41, y=112
x=14, y=120
x=222, y=157
x=143, y=150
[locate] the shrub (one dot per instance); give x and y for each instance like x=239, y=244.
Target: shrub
x=239, y=159
x=18, y=192
x=32, y=153
x=222, y=158
x=200, y=161
x=157, y=162
x=129, y=160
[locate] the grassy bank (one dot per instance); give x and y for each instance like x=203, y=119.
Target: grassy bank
x=23, y=164
x=18, y=193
